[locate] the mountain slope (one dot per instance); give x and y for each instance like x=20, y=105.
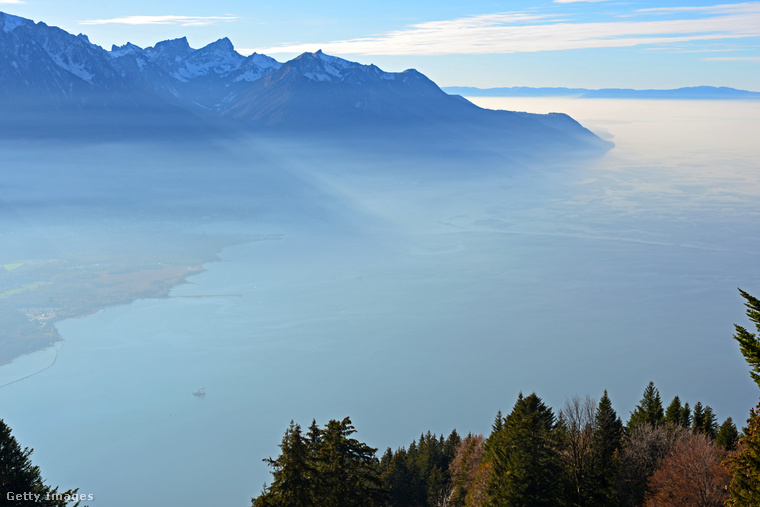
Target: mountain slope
x=52, y=81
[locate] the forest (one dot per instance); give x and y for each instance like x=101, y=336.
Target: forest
x=581, y=455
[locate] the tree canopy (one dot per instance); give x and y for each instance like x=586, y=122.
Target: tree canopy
x=749, y=343
x=18, y=476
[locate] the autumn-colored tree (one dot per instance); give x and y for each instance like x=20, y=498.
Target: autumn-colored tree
x=645, y=446
x=691, y=475
x=467, y=470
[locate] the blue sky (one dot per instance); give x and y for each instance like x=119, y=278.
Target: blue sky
x=574, y=43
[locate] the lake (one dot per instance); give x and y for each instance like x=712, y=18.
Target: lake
x=416, y=303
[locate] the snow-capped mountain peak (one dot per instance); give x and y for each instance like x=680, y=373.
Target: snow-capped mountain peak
x=255, y=67
x=117, y=51
x=8, y=22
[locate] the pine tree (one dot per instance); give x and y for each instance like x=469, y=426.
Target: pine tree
x=749, y=344
x=649, y=410
x=608, y=437
x=674, y=412
x=745, y=466
x=524, y=457
x=698, y=418
x=686, y=416
x=710, y=425
x=19, y=476
x=293, y=473
x=348, y=469
x=396, y=477
x=727, y=435
x=325, y=468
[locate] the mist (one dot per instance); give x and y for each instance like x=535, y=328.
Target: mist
x=411, y=287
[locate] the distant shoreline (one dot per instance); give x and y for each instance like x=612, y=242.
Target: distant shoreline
x=690, y=93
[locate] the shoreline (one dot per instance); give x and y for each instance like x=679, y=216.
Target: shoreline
x=100, y=286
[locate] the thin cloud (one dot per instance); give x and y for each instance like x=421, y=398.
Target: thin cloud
x=521, y=33
x=161, y=20
x=753, y=59
x=715, y=9
x=14, y=2
x=576, y=1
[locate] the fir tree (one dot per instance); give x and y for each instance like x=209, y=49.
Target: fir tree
x=524, y=457
x=293, y=473
x=649, y=410
x=686, y=416
x=348, y=469
x=19, y=476
x=698, y=418
x=325, y=468
x=727, y=435
x=674, y=412
x=749, y=344
x=710, y=425
x=608, y=437
x=396, y=477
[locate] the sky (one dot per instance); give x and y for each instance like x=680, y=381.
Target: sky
x=572, y=43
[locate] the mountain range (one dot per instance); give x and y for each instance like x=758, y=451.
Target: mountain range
x=53, y=83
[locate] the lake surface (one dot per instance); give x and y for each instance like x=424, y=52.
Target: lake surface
x=428, y=306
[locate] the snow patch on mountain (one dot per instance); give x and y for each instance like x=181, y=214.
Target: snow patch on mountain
x=9, y=22
x=255, y=67
x=119, y=51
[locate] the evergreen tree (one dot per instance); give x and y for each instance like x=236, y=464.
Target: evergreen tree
x=498, y=424
x=524, y=457
x=698, y=418
x=19, y=476
x=649, y=410
x=325, y=468
x=397, y=478
x=293, y=473
x=727, y=435
x=419, y=476
x=686, y=416
x=710, y=424
x=745, y=466
x=674, y=413
x=749, y=343
x=608, y=437
x=348, y=469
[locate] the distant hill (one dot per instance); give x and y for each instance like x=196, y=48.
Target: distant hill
x=53, y=83
x=690, y=93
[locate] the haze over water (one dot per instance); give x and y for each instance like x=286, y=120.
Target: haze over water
x=414, y=301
